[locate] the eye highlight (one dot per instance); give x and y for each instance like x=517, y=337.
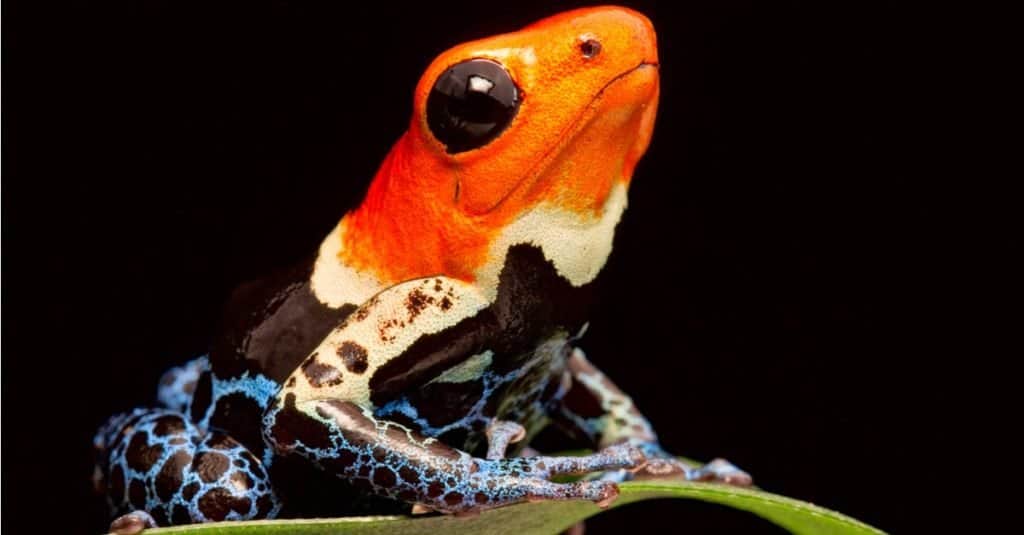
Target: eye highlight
x=471, y=103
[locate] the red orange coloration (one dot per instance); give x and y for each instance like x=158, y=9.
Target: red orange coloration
x=582, y=125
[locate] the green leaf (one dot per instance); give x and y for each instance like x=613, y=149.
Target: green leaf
x=543, y=518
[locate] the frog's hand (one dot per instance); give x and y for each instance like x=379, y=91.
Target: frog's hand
x=597, y=411
x=397, y=339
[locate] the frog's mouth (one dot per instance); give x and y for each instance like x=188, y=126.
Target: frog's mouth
x=637, y=86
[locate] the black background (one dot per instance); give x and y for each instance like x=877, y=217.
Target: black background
x=769, y=298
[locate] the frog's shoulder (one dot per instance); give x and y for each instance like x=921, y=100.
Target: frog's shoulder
x=414, y=331
x=269, y=325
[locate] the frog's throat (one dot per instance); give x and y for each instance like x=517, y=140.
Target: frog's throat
x=578, y=248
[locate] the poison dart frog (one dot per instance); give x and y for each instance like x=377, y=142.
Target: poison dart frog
x=408, y=362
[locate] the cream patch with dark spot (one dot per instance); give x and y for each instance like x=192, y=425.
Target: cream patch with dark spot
x=387, y=326
x=319, y=374
x=353, y=356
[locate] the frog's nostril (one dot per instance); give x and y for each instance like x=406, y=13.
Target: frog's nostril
x=590, y=47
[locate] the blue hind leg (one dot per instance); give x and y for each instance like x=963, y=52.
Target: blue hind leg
x=156, y=461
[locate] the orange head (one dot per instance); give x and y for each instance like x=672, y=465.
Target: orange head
x=554, y=115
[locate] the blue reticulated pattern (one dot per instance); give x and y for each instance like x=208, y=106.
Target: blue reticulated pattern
x=157, y=461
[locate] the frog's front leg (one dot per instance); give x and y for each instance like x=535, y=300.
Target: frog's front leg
x=399, y=339
x=158, y=467
x=597, y=411
x=391, y=460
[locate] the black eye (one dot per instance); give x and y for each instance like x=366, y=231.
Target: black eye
x=471, y=103
x=590, y=48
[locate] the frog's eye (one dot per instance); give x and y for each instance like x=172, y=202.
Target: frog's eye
x=471, y=103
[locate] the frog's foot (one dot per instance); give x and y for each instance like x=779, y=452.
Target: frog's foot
x=717, y=471
x=505, y=481
x=500, y=434
x=661, y=465
x=178, y=383
x=156, y=461
x=132, y=523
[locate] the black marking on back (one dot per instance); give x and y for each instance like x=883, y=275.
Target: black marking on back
x=271, y=325
x=533, y=301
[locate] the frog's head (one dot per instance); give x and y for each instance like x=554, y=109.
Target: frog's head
x=552, y=117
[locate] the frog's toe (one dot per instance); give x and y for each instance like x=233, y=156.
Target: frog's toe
x=602, y=493
x=132, y=523
x=617, y=457
x=722, y=471
x=717, y=471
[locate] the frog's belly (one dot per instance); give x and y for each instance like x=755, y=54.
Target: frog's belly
x=456, y=406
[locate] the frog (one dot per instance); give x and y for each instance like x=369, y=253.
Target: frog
x=409, y=362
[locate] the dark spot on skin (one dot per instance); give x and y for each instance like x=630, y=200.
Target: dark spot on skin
x=180, y=515
x=210, y=465
x=380, y=455
x=217, y=503
x=620, y=422
x=220, y=441
x=407, y=495
x=364, y=471
x=409, y=475
x=452, y=498
x=320, y=374
x=140, y=455
x=416, y=302
x=190, y=491
x=292, y=426
x=168, y=425
x=480, y=497
x=384, y=477
x=445, y=304
x=291, y=382
x=239, y=463
x=354, y=356
x=435, y=489
x=137, y=494
x=169, y=480
x=342, y=460
x=189, y=387
x=437, y=285
x=160, y=516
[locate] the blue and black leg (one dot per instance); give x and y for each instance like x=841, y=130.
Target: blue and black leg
x=388, y=459
x=156, y=467
x=596, y=411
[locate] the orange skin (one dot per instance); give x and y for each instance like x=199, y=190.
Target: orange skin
x=583, y=123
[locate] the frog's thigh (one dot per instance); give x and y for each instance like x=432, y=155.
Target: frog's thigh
x=596, y=409
x=158, y=462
